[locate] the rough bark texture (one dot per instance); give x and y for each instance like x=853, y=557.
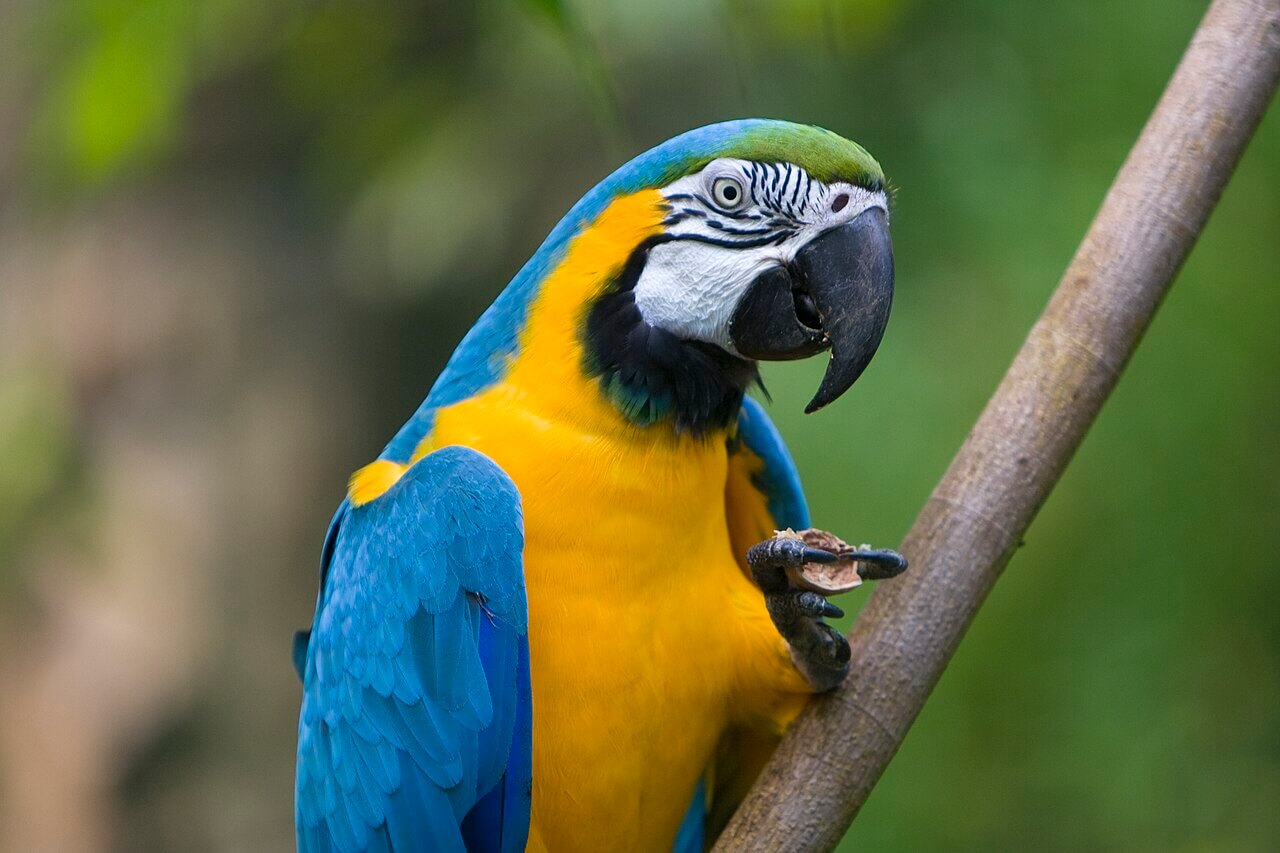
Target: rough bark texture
x=826, y=766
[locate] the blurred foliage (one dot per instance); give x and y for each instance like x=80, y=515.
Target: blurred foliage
x=1121, y=689
x=35, y=441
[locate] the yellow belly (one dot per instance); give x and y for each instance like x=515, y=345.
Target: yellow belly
x=635, y=627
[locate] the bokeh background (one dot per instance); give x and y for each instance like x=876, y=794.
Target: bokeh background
x=239, y=238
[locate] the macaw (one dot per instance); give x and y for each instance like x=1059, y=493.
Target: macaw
x=544, y=622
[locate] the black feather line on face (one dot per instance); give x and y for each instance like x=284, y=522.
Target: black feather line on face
x=650, y=374
x=786, y=182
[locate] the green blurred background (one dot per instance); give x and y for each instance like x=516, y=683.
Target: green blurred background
x=239, y=238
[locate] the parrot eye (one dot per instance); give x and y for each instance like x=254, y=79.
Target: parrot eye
x=728, y=193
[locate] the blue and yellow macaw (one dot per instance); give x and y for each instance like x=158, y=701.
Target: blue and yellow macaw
x=544, y=622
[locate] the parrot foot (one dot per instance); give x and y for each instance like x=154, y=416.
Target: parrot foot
x=782, y=567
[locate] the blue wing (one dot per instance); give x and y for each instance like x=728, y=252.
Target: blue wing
x=776, y=478
x=416, y=723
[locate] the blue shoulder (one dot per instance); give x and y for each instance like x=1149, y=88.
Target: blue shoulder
x=779, y=480
x=415, y=730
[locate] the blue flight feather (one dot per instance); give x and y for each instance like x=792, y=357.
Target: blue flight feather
x=416, y=710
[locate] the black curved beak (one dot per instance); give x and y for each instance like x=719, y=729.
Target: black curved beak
x=837, y=295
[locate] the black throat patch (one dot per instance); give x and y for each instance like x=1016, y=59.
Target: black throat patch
x=650, y=374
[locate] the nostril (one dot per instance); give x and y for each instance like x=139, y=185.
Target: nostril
x=838, y=203
x=806, y=309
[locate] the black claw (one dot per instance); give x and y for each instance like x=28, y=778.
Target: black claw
x=882, y=564
x=885, y=556
x=815, y=606
x=819, y=652
x=811, y=604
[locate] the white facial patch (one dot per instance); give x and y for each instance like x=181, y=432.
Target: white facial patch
x=729, y=223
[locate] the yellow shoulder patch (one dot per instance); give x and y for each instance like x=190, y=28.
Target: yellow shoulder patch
x=373, y=480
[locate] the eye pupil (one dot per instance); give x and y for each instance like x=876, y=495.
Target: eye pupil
x=730, y=193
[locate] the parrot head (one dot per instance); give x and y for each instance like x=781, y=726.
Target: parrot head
x=673, y=277
x=775, y=249
x=773, y=245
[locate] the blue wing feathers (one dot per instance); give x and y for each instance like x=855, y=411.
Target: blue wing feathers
x=416, y=670
x=780, y=481
x=500, y=821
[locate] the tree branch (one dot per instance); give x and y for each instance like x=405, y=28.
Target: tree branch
x=827, y=764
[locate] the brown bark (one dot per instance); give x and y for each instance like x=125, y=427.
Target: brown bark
x=828, y=763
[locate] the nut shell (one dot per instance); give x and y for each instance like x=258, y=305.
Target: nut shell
x=826, y=579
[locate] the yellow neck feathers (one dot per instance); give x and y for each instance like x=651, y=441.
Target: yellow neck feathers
x=544, y=378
